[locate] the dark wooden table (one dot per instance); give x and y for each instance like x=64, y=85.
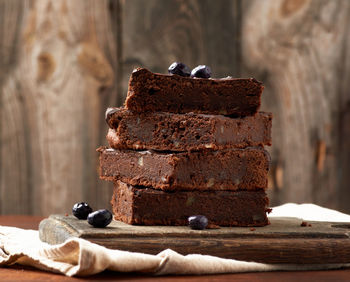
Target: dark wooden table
x=20, y=273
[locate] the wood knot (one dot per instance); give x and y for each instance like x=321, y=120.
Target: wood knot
x=92, y=60
x=279, y=177
x=321, y=155
x=46, y=66
x=290, y=7
x=275, y=176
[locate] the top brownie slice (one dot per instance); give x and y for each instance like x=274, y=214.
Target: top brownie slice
x=153, y=92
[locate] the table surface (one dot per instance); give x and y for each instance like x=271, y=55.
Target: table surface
x=21, y=273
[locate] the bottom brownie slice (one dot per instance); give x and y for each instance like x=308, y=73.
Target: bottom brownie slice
x=147, y=206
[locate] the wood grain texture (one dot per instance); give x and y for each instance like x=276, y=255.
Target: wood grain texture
x=284, y=241
x=12, y=139
x=52, y=103
x=300, y=49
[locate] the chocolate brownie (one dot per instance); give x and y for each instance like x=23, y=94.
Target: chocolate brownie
x=185, y=132
x=147, y=206
x=228, y=169
x=153, y=92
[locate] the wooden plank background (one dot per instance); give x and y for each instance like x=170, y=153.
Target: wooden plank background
x=63, y=62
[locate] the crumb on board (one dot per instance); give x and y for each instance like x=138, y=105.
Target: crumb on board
x=305, y=223
x=212, y=226
x=252, y=229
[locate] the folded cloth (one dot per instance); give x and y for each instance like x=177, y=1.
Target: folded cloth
x=309, y=212
x=78, y=257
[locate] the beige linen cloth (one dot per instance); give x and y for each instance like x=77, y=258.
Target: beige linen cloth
x=78, y=257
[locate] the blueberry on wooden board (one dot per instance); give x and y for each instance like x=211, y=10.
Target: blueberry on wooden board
x=198, y=222
x=100, y=218
x=201, y=71
x=179, y=69
x=81, y=210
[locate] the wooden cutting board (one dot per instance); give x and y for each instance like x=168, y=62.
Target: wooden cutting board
x=283, y=241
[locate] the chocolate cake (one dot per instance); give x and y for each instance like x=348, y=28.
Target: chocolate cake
x=147, y=206
x=153, y=92
x=185, y=132
x=229, y=169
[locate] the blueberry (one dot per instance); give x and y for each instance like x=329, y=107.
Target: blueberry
x=179, y=69
x=108, y=115
x=202, y=71
x=198, y=222
x=81, y=210
x=100, y=218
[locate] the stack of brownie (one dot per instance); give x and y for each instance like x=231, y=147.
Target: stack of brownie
x=185, y=146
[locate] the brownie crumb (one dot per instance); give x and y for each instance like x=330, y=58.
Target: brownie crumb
x=252, y=229
x=212, y=226
x=269, y=210
x=305, y=223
